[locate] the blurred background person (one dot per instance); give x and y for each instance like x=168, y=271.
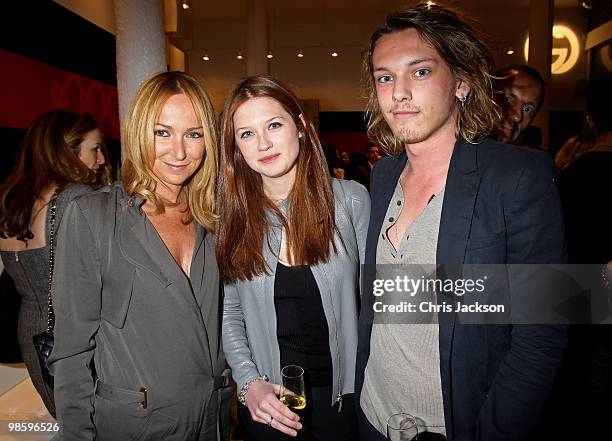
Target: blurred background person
x=361, y=173
x=61, y=156
x=585, y=376
x=519, y=92
x=333, y=160
x=373, y=154
x=577, y=145
x=137, y=347
x=346, y=164
x=285, y=227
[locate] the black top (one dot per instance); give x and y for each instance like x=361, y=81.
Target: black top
x=303, y=335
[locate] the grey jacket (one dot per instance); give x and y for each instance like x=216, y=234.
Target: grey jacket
x=124, y=307
x=249, y=316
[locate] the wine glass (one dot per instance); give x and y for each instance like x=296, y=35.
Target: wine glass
x=402, y=427
x=292, y=392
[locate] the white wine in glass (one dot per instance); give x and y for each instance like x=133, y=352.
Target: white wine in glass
x=292, y=401
x=292, y=392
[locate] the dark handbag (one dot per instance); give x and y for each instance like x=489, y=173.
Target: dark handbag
x=43, y=342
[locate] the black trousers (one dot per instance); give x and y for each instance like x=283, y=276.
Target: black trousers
x=320, y=420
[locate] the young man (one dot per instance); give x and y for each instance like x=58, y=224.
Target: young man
x=519, y=92
x=448, y=196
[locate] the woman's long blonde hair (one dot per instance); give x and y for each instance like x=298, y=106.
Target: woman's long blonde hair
x=139, y=145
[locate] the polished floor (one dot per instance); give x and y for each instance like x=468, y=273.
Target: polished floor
x=19, y=403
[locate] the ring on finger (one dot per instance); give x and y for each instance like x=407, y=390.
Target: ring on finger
x=270, y=422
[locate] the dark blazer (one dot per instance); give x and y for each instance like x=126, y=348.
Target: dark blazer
x=128, y=318
x=500, y=206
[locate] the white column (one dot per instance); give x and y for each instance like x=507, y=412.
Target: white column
x=541, y=16
x=141, y=46
x=257, y=37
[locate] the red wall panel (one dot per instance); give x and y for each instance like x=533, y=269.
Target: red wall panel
x=30, y=88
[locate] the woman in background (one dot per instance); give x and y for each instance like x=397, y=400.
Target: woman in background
x=290, y=241
x=137, y=347
x=61, y=156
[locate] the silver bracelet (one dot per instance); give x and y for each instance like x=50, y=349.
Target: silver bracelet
x=245, y=388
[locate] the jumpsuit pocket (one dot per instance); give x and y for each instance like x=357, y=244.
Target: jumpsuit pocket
x=119, y=415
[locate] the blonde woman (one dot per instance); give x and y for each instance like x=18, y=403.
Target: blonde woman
x=136, y=292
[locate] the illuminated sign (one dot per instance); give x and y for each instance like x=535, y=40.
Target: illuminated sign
x=566, y=49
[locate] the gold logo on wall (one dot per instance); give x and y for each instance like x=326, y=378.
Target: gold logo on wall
x=565, y=51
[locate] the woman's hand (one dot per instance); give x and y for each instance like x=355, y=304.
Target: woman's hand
x=266, y=408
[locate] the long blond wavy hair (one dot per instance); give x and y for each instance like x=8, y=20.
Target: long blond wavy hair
x=139, y=145
x=468, y=57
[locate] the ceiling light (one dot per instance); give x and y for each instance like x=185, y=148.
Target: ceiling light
x=510, y=51
x=239, y=56
x=185, y=5
x=334, y=54
x=300, y=54
x=206, y=57
x=269, y=56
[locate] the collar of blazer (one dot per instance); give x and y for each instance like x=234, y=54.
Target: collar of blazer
x=142, y=246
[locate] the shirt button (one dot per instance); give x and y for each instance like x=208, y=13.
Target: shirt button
x=390, y=219
x=399, y=202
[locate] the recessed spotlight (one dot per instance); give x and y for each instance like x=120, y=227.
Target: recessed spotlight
x=269, y=56
x=334, y=54
x=206, y=58
x=300, y=54
x=185, y=5
x=239, y=56
x=510, y=51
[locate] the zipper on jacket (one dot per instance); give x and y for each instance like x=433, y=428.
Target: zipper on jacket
x=339, y=376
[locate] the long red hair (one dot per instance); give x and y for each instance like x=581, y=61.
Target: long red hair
x=243, y=206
